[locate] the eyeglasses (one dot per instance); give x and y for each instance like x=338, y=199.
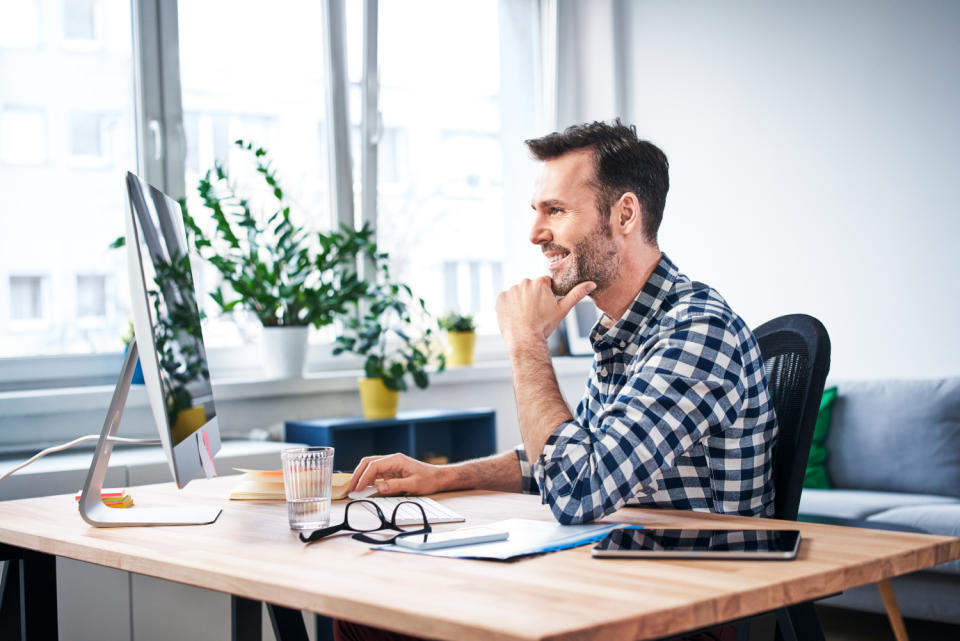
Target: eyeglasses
x=362, y=532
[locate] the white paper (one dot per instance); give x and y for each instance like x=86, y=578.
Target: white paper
x=526, y=537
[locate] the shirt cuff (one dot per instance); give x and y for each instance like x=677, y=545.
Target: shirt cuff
x=555, y=469
x=529, y=484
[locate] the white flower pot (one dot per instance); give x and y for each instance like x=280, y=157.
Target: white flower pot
x=284, y=350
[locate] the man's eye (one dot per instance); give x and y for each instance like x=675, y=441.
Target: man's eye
x=555, y=210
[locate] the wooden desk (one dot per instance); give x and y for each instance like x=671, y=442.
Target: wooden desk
x=250, y=552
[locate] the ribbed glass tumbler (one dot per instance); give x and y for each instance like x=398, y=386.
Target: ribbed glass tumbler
x=308, y=483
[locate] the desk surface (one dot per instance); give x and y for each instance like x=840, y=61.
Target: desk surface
x=250, y=552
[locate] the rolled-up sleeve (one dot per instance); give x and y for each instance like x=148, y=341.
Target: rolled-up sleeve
x=526, y=472
x=690, y=384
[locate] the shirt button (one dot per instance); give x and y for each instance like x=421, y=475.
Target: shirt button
x=623, y=343
x=603, y=371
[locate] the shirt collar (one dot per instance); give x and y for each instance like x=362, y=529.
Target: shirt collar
x=641, y=311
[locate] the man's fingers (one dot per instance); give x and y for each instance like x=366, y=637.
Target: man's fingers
x=575, y=295
x=370, y=474
x=397, y=485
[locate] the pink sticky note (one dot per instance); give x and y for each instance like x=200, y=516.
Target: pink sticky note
x=208, y=460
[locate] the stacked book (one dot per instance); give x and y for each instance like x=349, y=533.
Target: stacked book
x=266, y=485
x=112, y=498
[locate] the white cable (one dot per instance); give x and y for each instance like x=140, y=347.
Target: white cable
x=77, y=441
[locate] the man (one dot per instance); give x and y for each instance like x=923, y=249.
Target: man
x=676, y=412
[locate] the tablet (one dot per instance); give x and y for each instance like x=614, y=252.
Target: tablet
x=699, y=544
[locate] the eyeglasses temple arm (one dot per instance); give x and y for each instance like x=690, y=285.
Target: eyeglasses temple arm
x=319, y=534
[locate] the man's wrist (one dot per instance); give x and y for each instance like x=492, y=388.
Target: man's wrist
x=450, y=478
x=527, y=345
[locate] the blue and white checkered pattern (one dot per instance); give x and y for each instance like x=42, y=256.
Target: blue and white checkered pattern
x=676, y=413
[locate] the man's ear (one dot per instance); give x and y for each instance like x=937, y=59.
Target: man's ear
x=628, y=214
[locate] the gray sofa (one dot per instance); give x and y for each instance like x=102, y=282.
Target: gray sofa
x=894, y=462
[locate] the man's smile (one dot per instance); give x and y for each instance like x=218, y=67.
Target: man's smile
x=556, y=258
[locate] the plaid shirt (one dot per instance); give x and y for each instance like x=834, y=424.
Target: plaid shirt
x=676, y=413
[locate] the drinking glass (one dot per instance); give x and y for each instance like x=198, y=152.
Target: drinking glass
x=308, y=484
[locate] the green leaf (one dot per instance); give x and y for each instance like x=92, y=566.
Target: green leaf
x=420, y=378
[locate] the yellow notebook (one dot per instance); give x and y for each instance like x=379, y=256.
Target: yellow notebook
x=266, y=485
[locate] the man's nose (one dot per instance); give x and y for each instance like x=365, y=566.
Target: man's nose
x=539, y=234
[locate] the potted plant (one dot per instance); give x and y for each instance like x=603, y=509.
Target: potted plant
x=270, y=265
x=461, y=338
x=391, y=328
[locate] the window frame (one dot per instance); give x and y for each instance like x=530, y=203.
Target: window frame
x=161, y=159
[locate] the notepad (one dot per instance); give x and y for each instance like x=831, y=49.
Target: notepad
x=266, y=485
x=526, y=537
x=258, y=485
x=117, y=498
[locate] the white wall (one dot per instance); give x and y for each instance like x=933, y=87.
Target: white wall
x=814, y=165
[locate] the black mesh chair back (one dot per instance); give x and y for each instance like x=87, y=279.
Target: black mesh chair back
x=796, y=357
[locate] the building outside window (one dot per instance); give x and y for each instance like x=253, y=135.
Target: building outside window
x=92, y=139
x=91, y=296
x=66, y=125
x=440, y=203
x=80, y=20
x=441, y=146
x=254, y=75
x=27, y=300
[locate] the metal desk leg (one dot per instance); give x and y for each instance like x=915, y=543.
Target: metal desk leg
x=38, y=596
x=245, y=619
x=287, y=624
x=799, y=621
x=324, y=627
x=10, y=600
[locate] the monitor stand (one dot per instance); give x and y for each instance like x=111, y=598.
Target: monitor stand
x=92, y=508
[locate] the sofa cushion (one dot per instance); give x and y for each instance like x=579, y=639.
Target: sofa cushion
x=898, y=435
x=935, y=519
x=859, y=504
x=816, y=474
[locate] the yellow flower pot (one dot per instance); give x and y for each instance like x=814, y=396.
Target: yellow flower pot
x=188, y=421
x=461, y=345
x=378, y=401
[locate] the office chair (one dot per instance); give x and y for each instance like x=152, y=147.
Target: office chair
x=796, y=357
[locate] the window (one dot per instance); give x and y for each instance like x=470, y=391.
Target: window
x=271, y=94
x=91, y=296
x=23, y=136
x=91, y=139
x=79, y=20
x=441, y=199
x=66, y=126
x=26, y=298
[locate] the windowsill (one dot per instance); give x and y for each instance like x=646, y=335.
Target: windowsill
x=44, y=401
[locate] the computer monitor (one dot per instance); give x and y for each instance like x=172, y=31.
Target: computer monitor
x=169, y=342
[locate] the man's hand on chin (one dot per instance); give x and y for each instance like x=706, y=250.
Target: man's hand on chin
x=529, y=311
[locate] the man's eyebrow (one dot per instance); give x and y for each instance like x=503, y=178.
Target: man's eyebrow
x=547, y=203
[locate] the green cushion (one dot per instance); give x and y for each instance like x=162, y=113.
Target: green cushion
x=816, y=475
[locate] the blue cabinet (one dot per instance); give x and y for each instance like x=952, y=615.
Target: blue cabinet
x=457, y=435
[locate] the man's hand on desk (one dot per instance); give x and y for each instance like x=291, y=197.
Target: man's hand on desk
x=399, y=474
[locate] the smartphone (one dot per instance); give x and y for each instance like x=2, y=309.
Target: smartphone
x=463, y=536
x=699, y=544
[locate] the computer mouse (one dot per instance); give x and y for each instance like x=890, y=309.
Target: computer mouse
x=370, y=490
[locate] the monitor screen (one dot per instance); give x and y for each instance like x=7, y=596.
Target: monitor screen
x=168, y=332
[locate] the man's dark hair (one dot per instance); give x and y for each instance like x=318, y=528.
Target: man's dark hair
x=622, y=162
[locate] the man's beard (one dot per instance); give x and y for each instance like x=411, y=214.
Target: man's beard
x=594, y=258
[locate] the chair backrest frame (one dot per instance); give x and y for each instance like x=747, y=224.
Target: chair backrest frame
x=796, y=356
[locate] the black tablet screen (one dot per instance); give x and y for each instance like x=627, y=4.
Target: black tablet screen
x=684, y=541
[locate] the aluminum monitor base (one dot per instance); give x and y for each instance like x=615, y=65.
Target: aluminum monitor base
x=92, y=508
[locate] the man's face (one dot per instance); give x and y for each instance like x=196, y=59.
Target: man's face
x=575, y=238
